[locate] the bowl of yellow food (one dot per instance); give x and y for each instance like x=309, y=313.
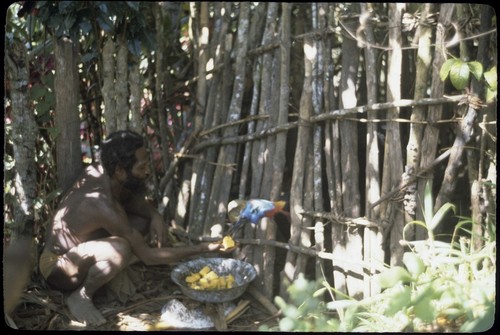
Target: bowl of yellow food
x=213, y=279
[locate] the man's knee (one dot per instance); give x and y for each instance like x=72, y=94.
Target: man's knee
x=120, y=246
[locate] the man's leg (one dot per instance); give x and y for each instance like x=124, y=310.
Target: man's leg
x=86, y=268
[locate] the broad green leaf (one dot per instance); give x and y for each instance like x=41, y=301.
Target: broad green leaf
x=393, y=276
x=459, y=74
x=425, y=310
x=445, y=68
x=398, y=300
x=438, y=217
x=491, y=78
x=413, y=263
x=477, y=69
x=490, y=95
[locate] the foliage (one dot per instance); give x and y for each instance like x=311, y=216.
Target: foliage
x=460, y=72
x=441, y=287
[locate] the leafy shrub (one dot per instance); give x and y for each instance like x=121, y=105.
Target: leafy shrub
x=441, y=287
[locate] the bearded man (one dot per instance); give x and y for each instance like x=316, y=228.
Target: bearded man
x=100, y=225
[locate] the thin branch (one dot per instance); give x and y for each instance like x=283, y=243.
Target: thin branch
x=332, y=115
x=414, y=178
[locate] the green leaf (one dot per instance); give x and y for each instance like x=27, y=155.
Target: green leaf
x=445, y=69
x=491, y=78
x=459, y=74
x=399, y=300
x=477, y=69
x=439, y=215
x=393, y=276
x=428, y=202
x=413, y=263
x=425, y=310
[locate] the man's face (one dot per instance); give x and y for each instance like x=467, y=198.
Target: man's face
x=136, y=178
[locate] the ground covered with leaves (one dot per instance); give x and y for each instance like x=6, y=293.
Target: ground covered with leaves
x=42, y=308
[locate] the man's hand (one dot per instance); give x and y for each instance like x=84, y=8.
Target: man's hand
x=219, y=246
x=156, y=229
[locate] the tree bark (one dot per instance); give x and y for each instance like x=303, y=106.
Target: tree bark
x=24, y=132
x=121, y=85
x=351, y=245
x=430, y=136
x=221, y=186
x=423, y=36
x=135, y=84
x=108, y=85
x=393, y=158
x=67, y=120
x=201, y=58
x=373, y=251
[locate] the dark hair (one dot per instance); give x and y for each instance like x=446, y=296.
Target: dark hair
x=119, y=150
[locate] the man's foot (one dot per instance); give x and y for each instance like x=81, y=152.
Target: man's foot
x=82, y=308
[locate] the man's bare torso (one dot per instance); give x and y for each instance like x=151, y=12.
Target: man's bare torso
x=72, y=223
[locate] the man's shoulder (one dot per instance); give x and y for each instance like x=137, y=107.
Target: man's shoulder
x=94, y=170
x=92, y=183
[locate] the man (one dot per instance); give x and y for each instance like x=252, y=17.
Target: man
x=100, y=225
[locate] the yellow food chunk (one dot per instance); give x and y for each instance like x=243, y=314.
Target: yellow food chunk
x=205, y=270
x=207, y=279
x=211, y=275
x=229, y=281
x=228, y=242
x=193, y=278
x=221, y=283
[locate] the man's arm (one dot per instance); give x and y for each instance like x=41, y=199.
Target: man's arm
x=115, y=221
x=139, y=206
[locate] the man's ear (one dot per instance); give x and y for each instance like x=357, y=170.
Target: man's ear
x=120, y=173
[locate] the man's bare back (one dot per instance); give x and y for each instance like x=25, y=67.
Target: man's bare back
x=100, y=227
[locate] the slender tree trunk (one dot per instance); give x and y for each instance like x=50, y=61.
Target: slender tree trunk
x=259, y=152
x=135, y=84
x=108, y=85
x=393, y=158
x=159, y=88
x=373, y=251
x=227, y=155
x=67, y=119
x=318, y=23
x=24, y=132
x=299, y=168
x=350, y=245
x=430, y=136
x=201, y=59
x=423, y=36
x=121, y=85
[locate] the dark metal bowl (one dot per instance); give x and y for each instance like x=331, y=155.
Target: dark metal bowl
x=243, y=273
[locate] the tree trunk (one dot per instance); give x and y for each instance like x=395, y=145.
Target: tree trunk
x=349, y=246
x=299, y=169
x=108, y=85
x=67, y=120
x=121, y=85
x=373, y=251
x=135, y=84
x=431, y=132
x=423, y=36
x=259, y=153
x=393, y=158
x=201, y=59
x=24, y=132
x=318, y=23
x=221, y=186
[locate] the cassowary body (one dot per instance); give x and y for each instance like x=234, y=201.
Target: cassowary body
x=254, y=211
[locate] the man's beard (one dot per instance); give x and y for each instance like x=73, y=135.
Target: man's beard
x=135, y=185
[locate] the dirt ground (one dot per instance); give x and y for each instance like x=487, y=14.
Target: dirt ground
x=41, y=308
